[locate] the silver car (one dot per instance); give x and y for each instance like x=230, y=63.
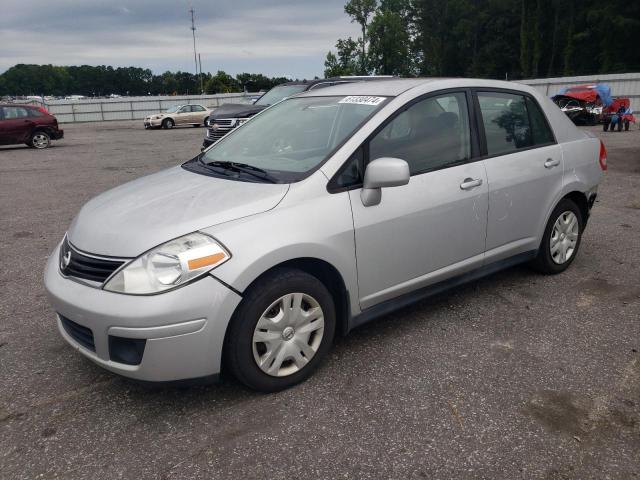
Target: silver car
x=323, y=212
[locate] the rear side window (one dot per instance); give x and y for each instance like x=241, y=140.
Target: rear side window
x=15, y=112
x=506, y=122
x=539, y=127
x=197, y=108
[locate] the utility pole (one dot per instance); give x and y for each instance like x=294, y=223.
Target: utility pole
x=201, y=78
x=193, y=30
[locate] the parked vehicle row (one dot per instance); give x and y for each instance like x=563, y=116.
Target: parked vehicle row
x=325, y=211
x=27, y=124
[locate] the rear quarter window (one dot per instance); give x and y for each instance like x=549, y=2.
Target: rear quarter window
x=540, y=129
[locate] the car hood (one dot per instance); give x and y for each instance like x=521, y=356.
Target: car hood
x=236, y=110
x=137, y=216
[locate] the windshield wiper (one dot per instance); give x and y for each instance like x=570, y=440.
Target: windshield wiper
x=243, y=168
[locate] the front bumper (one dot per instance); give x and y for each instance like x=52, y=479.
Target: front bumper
x=150, y=122
x=184, y=328
x=207, y=143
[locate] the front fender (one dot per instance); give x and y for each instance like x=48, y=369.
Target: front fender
x=317, y=228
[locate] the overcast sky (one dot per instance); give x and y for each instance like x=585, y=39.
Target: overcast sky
x=275, y=37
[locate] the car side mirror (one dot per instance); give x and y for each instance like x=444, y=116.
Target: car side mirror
x=382, y=173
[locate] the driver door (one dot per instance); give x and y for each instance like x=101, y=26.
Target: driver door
x=184, y=115
x=434, y=227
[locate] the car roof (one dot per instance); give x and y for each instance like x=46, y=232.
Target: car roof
x=390, y=87
x=26, y=105
x=396, y=87
x=343, y=79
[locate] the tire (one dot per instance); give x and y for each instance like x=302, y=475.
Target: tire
x=40, y=140
x=285, y=353
x=605, y=126
x=619, y=125
x=626, y=125
x=168, y=123
x=549, y=261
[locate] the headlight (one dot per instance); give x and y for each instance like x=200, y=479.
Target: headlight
x=169, y=265
x=240, y=121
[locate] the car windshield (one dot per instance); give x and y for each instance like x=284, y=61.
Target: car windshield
x=278, y=93
x=173, y=109
x=295, y=136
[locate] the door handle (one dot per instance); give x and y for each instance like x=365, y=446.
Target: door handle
x=469, y=183
x=551, y=162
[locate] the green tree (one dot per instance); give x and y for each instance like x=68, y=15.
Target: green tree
x=222, y=82
x=345, y=62
x=389, y=41
x=360, y=11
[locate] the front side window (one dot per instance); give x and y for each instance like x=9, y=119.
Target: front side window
x=431, y=134
x=197, y=108
x=295, y=136
x=506, y=122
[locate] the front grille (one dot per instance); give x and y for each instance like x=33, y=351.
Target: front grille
x=82, y=335
x=224, y=126
x=88, y=267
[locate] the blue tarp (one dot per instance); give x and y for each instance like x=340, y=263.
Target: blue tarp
x=603, y=90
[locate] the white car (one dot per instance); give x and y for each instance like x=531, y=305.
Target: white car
x=178, y=115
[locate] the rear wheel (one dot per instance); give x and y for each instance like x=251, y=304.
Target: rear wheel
x=281, y=331
x=40, y=140
x=626, y=125
x=168, y=123
x=561, y=239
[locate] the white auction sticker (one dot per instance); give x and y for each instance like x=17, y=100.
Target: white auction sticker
x=362, y=100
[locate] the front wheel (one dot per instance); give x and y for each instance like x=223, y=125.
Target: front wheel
x=168, y=123
x=561, y=239
x=40, y=140
x=281, y=331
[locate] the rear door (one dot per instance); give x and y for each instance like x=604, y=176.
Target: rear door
x=15, y=126
x=524, y=168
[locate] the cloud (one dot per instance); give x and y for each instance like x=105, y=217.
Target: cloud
x=275, y=37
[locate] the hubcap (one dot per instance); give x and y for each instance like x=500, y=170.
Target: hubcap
x=39, y=141
x=288, y=334
x=564, y=237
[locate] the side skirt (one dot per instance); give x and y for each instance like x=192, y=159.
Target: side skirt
x=402, y=301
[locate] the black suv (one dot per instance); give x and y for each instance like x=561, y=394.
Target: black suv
x=231, y=115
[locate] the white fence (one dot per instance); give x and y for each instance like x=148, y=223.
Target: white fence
x=131, y=108
x=622, y=85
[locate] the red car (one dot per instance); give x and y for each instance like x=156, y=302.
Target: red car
x=28, y=124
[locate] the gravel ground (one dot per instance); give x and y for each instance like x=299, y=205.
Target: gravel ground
x=515, y=376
